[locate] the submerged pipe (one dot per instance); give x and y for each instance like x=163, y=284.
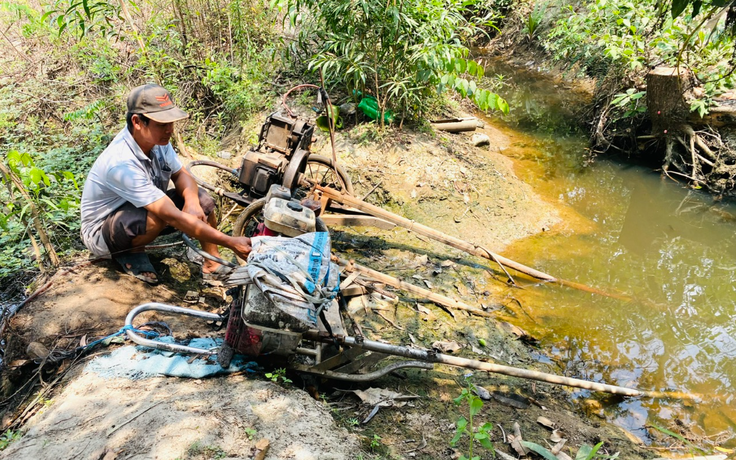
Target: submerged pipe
x=431, y=356
x=456, y=243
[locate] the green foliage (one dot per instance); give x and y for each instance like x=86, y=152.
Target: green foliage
x=352, y=421
x=211, y=452
x=706, y=8
x=8, y=437
x=534, y=20
x=375, y=442
x=536, y=448
x=624, y=37
x=398, y=51
x=82, y=16
x=466, y=427
x=278, y=375
x=679, y=437
x=585, y=452
x=239, y=91
x=631, y=102
x=29, y=193
x=250, y=432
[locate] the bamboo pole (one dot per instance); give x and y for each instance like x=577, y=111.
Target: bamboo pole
x=403, y=285
x=456, y=243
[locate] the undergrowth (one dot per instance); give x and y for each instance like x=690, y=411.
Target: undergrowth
x=68, y=66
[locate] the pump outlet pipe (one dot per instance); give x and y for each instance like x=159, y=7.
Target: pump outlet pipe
x=164, y=308
x=431, y=356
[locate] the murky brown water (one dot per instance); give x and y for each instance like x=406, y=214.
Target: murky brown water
x=627, y=229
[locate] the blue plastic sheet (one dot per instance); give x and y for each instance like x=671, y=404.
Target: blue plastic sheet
x=135, y=362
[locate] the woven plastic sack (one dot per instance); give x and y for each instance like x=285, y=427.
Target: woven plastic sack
x=294, y=273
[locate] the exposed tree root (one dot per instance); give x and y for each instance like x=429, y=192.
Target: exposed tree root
x=701, y=157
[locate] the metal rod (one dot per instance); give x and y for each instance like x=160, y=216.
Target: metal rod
x=164, y=308
x=204, y=254
x=433, y=357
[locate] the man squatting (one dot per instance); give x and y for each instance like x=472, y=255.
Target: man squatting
x=126, y=203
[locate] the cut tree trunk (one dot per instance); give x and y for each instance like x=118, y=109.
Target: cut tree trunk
x=667, y=91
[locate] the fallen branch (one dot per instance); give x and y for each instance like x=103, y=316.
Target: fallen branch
x=388, y=320
x=116, y=428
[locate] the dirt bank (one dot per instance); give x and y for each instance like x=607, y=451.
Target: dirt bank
x=439, y=180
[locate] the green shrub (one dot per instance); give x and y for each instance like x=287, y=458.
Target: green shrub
x=401, y=52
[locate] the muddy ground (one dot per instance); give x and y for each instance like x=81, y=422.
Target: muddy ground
x=435, y=178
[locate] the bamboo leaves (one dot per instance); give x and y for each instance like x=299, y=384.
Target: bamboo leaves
x=84, y=15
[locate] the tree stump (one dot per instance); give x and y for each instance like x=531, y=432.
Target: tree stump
x=667, y=92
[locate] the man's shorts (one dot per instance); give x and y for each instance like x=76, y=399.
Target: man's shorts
x=127, y=222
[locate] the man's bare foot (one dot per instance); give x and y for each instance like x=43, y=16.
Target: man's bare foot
x=151, y=276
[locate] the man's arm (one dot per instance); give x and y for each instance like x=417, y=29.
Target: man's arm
x=165, y=210
x=187, y=188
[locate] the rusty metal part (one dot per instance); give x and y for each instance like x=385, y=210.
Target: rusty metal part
x=296, y=166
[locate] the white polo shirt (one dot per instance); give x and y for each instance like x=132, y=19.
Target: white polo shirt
x=123, y=173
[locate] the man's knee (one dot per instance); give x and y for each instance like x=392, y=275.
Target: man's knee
x=154, y=224
x=206, y=202
x=123, y=225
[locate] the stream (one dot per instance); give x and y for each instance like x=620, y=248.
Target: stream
x=625, y=229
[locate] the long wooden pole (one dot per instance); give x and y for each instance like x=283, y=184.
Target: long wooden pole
x=456, y=243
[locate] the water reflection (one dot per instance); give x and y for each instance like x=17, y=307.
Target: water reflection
x=672, y=250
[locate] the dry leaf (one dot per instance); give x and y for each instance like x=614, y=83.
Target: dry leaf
x=545, y=422
x=563, y=456
x=382, y=396
x=446, y=347
x=515, y=440
x=557, y=448
x=556, y=436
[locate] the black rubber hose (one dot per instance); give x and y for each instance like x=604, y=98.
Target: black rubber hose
x=241, y=200
x=213, y=164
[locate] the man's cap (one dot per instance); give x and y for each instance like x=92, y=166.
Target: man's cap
x=156, y=103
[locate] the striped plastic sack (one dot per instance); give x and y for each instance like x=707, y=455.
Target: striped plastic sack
x=295, y=274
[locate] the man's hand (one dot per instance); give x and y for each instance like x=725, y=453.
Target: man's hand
x=193, y=207
x=241, y=246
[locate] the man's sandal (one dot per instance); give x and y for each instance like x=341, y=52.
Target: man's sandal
x=136, y=264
